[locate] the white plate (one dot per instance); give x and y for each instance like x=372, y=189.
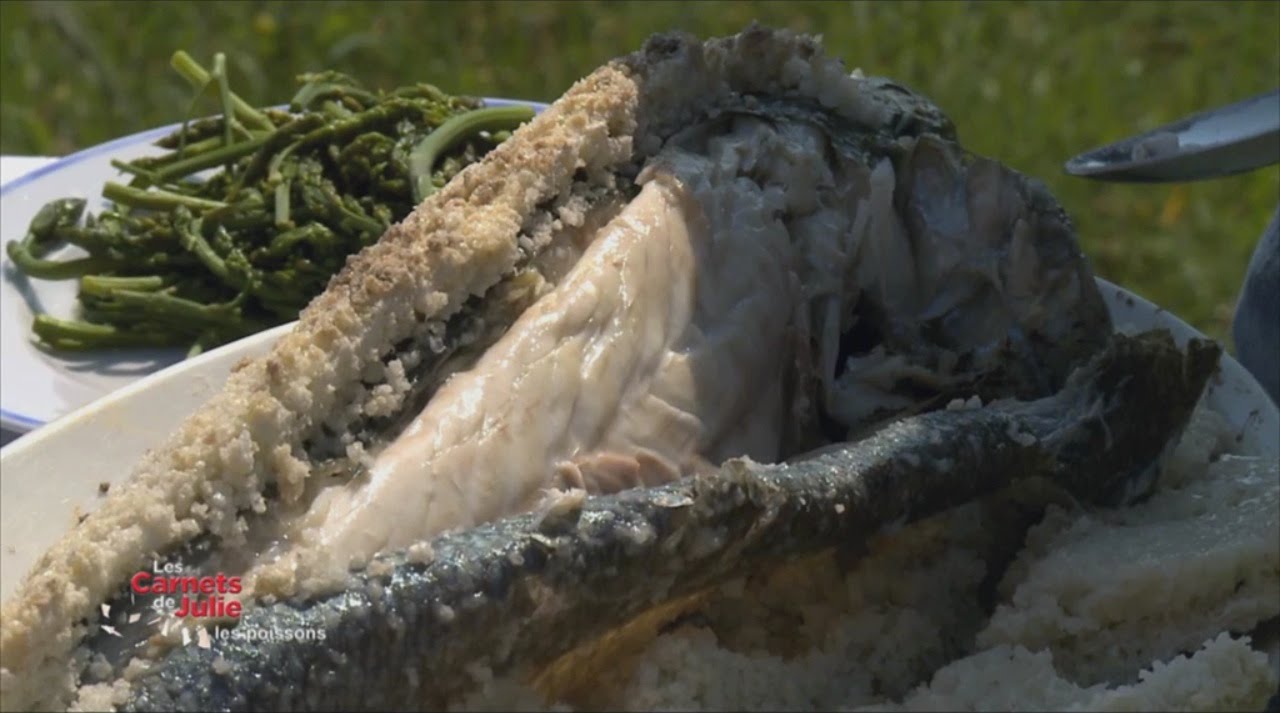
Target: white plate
x=39, y=386
x=46, y=483
x=46, y=480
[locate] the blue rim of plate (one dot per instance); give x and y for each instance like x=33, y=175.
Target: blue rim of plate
x=28, y=423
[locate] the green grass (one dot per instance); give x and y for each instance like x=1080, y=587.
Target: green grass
x=1028, y=83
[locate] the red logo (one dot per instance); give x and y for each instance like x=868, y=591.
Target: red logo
x=202, y=597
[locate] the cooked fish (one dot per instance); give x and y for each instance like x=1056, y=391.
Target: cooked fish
x=701, y=251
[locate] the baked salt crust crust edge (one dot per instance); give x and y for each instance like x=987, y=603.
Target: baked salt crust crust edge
x=455, y=245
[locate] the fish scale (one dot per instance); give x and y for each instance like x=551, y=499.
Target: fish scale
x=519, y=594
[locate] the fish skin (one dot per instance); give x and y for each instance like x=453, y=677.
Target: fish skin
x=516, y=589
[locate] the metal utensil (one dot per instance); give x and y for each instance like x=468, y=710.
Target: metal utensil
x=1232, y=139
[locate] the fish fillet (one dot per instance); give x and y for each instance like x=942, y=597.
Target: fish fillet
x=657, y=318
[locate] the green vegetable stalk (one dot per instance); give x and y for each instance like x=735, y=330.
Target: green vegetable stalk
x=244, y=216
x=422, y=160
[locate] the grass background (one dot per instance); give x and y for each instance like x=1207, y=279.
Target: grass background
x=1029, y=83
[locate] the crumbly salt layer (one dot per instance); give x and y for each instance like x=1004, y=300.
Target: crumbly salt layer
x=1224, y=674
x=505, y=694
x=1111, y=591
x=101, y=696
